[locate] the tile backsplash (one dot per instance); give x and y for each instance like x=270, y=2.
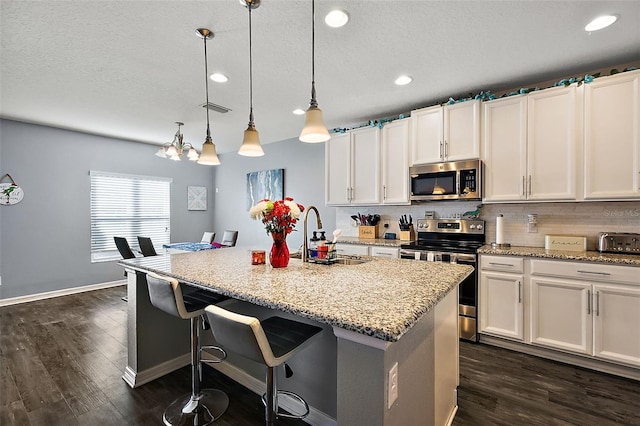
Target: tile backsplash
x=584, y=219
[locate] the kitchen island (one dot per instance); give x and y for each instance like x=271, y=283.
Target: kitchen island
x=374, y=315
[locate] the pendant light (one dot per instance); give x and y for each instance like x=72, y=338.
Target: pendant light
x=314, y=130
x=251, y=143
x=208, y=157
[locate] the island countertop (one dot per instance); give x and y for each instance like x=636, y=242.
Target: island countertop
x=382, y=298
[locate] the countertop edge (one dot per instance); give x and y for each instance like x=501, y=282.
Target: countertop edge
x=583, y=256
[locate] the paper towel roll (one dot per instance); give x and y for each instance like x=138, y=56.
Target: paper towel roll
x=500, y=229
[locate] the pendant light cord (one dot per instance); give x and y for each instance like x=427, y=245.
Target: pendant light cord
x=250, y=71
x=313, y=102
x=206, y=84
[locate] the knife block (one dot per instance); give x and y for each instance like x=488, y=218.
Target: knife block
x=368, y=232
x=409, y=235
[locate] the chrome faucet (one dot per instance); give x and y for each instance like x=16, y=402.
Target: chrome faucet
x=305, y=243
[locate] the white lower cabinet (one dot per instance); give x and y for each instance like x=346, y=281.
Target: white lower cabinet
x=501, y=308
x=352, y=249
x=584, y=308
x=379, y=251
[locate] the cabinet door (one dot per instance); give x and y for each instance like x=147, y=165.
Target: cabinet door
x=612, y=137
x=560, y=314
x=500, y=304
x=395, y=162
x=462, y=131
x=352, y=250
x=427, y=141
x=551, y=144
x=504, y=148
x=338, y=169
x=365, y=166
x=385, y=252
x=616, y=319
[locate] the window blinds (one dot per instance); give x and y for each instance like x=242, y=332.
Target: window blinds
x=128, y=206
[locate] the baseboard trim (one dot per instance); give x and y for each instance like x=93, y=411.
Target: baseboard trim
x=315, y=417
x=57, y=293
x=577, y=360
x=134, y=379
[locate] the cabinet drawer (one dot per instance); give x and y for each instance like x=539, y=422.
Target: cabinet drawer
x=385, y=252
x=502, y=263
x=352, y=250
x=586, y=271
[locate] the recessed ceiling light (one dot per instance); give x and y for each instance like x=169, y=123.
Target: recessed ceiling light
x=336, y=18
x=601, y=22
x=403, y=80
x=219, y=78
x=298, y=111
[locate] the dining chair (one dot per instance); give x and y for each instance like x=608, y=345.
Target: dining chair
x=207, y=237
x=229, y=238
x=123, y=247
x=146, y=246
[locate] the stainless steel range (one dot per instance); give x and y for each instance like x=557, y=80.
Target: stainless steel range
x=455, y=241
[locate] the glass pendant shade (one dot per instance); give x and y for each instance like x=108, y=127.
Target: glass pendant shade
x=172, y=151
x=208, y=157
x=192, y=155
x=251, y=143
x=314, y=130
x=162, y=152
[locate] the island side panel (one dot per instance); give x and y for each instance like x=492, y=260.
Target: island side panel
x=158, y=343
x=446, y=359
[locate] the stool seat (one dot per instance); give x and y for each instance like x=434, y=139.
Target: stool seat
x=270, y=342
x=202, y=406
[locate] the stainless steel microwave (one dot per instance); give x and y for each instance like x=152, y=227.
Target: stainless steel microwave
x=456, y=180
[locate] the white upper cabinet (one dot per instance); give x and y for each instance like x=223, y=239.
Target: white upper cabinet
x=353, y=167
x=612, y=137
x=395, y=162
x=530, y=146
x=446, y=133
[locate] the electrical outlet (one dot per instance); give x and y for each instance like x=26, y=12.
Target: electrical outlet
x=532, y=227
x=393, y=384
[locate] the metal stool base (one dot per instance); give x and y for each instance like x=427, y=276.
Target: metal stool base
x=206, y=408
x=293, y=396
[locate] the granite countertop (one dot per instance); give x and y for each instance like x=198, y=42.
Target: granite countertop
x=382, y=298
x=584, y=256
x=372, y=241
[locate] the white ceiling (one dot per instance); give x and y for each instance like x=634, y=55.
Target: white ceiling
x=130, y=69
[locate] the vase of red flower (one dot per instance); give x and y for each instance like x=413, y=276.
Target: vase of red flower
x=279, y=218
x=279, y=257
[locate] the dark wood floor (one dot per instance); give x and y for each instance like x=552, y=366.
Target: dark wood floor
x=62, y=360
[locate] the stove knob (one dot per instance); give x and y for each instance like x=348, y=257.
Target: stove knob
x=426, y=225
x=479, y=227
x=472, y=226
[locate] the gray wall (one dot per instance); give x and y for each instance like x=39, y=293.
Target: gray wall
x=44, y=240
x=303, y=166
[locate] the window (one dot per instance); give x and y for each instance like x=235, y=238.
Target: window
x=128, y=206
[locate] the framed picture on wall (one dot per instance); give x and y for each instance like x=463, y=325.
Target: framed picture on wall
x=196, y=198
x=264, y=184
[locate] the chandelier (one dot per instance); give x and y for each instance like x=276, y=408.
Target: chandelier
x=176, y=148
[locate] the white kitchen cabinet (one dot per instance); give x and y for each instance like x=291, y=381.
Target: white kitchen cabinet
x=500, y=304
x=561, y=314
x=586, y=308
x=395, y=162
x=530, y=146
x=379, y=251
x=352, y=249
x=612, y=137
x=446, y=133
x=353, y=168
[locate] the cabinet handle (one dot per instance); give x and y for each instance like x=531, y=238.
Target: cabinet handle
x=441, y=149
x=519, y=291
x=446, y=150
x=597, y=303
x=384, y=192
x=524, y=186
x=348, y=194
x=383, y=254
x=595, y=273
x=501, y=264
x=529, y=185
x=588, y=302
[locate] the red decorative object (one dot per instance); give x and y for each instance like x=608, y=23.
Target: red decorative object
x=279, y=257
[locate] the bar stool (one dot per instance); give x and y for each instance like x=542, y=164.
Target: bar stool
x=202, y=406
x=270, y=342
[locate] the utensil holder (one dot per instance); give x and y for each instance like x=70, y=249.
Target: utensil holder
x=368, y=232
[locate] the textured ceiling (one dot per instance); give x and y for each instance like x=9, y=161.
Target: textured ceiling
x=130, y=69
